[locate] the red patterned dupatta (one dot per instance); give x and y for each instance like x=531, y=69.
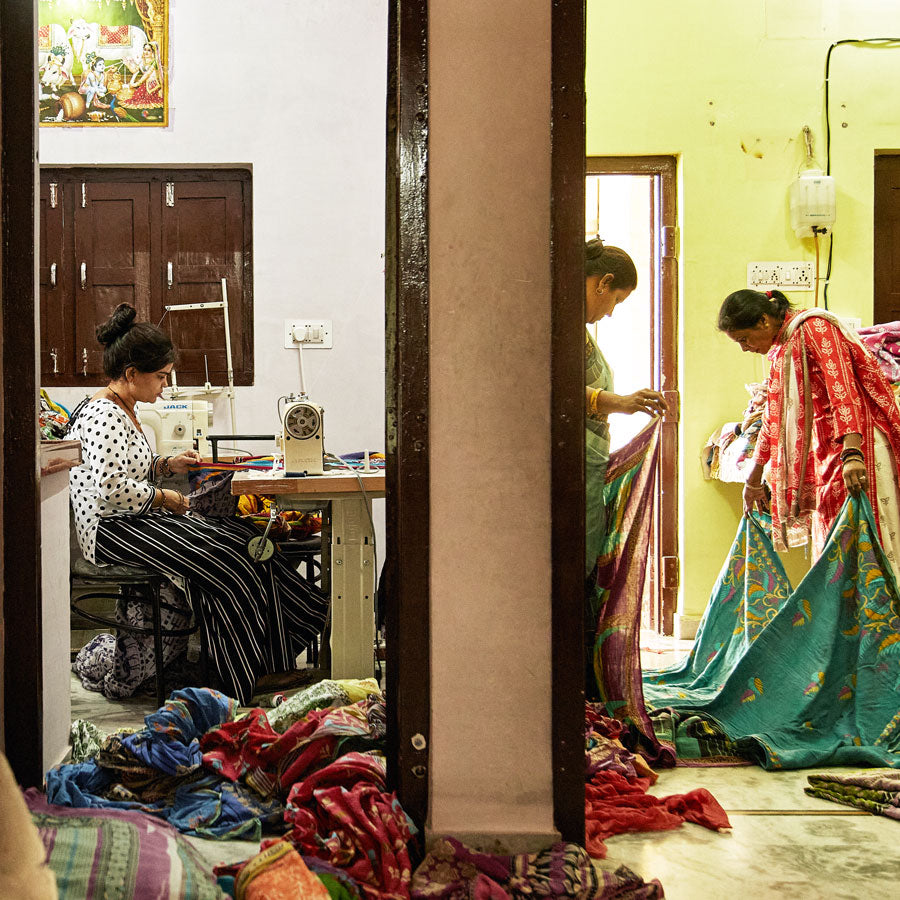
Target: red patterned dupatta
x=621, y=579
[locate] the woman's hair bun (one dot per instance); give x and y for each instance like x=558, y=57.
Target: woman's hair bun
x=119, y=323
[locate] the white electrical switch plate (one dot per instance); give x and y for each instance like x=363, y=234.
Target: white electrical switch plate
x=785, y=276
x=313, y=334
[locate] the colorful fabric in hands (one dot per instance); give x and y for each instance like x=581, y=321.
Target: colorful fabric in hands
x=453, y=871
x=804, y=677
x=877, y=791
x=621, y=575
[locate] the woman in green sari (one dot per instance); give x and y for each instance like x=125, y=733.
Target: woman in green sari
x=609, y=277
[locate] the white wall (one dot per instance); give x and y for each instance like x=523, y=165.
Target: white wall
x=297, y=90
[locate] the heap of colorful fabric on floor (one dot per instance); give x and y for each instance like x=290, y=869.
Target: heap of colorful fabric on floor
x=317, y=778
x=875, y=790
x=452, y=871
x=616, y=797
x=621, y=577
x=804, y=677
x=99, y=854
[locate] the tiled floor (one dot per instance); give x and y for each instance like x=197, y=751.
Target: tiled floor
x=783, y=843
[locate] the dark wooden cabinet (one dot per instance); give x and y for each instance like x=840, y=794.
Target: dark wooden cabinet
x=151, y=238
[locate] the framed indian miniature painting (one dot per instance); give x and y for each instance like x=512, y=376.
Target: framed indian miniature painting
x=103, y=62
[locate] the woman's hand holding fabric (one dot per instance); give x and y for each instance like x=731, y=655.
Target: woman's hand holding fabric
x=180, y=464
x=755, y=496
x=856, y=478
x=646, y=401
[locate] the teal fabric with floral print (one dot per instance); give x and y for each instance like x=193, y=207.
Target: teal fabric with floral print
x=798, y=677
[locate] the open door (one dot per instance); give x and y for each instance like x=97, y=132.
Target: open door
x=630, y=203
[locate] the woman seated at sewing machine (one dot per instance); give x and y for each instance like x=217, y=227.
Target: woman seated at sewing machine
x=257, y=616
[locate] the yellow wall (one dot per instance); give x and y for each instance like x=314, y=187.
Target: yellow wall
x=727, y=86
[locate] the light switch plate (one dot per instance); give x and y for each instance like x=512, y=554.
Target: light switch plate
x=313, y=334
x=785, y=276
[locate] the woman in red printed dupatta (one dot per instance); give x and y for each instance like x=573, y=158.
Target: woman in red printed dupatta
x=831, y=423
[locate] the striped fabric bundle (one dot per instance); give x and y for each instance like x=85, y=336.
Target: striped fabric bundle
x=113, y=854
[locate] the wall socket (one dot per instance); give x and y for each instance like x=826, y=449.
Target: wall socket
x=792, y=276
x=311, y=333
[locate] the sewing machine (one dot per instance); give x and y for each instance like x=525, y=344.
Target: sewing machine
x=178, y=425
x=302, y=441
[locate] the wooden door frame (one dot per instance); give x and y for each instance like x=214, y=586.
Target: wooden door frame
x=407, y=566
x=20, y=536
x=882, y=250
x=665, y=299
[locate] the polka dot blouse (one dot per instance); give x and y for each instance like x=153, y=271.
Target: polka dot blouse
x=117, y=464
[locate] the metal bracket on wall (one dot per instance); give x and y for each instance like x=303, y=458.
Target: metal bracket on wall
x=170, y=193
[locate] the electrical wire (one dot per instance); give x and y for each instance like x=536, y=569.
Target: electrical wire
x=858, y=42
x=816, y=239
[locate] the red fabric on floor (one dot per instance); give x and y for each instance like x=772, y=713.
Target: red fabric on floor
x=618, y=805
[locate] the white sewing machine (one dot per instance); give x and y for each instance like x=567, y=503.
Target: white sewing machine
x=302, y=440
x=178, y=425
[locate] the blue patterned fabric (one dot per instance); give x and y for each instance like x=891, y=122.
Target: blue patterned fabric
x=798, y=677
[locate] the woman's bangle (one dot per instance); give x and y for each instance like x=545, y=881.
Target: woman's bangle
x=595, y=399
x=852, y=453
x=755, y=488
x=164, y=468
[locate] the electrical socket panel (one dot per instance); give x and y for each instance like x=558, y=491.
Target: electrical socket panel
x=791, y=276
x=312, y=334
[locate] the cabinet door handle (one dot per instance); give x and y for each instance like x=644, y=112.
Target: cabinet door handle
x=53, y=278
x=169, y=278
x=84, y=361
x=84, y=276
x=53, y=357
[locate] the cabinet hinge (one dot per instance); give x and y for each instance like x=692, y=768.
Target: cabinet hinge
x=54, y=190
x=669, y=241
x=170, y=193
x=83, y=195
x=671, y=572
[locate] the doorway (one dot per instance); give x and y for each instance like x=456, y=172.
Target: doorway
x=630, y=203
x=887, y=231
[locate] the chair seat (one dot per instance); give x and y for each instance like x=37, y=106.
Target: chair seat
x=81, y=568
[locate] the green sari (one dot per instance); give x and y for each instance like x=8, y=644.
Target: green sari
x=597, y=376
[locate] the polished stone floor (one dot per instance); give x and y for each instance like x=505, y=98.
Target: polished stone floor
x=783, y=843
